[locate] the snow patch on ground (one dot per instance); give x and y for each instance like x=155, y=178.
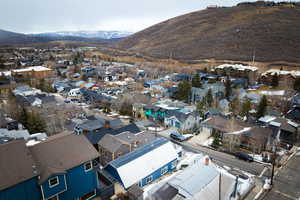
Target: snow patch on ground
x=208, y=142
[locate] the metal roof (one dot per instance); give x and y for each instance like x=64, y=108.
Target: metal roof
x=138, y=152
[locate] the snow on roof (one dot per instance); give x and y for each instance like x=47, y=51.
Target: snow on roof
x=34, y=68
x=277, y=92
x=148, y=158
x=267, y=118
x=200, y=181
x=240, y=131
x=293, y=124
x=281, y=72
x=32, y=143
x=6, y=73
x=16, y=134
x=277, y=124
x=237, y=67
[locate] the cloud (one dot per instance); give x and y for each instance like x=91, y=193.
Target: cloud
x=58, y=15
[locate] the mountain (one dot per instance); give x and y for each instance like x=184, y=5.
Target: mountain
x=267, y=31
x=12, y=38
x=87, y=34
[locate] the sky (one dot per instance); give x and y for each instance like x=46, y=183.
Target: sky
x=36, y=16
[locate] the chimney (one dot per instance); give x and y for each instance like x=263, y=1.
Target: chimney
x=106, y=124
x=206, y=160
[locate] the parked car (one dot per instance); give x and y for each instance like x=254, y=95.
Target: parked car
x=243, y=156
x=177, y=136
x=67, y=100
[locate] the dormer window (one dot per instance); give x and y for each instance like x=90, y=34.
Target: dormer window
x=88, y=166
x=53, y=182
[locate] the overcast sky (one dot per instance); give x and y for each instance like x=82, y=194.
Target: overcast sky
x=34, y=16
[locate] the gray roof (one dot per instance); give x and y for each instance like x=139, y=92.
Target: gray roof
x=200, y=181
x=62, y=152
x=180, y=115
x=111, y=143
x=16, y=164
x=92, y=125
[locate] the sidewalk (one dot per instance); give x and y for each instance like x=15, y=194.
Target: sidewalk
x=257, y=188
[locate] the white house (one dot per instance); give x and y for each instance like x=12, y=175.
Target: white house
x=183, y=121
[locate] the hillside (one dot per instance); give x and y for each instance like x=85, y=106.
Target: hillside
x=271, y=32
x=10, y=38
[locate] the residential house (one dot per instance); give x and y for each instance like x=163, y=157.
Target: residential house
x=285, y=130
x=37, y=72
x=181, y=77
x=197, y=94
x=138, y=111
x=113, y=146
x=198, y=181
x=238, y=70
x=294, y=114
x=183, y=121
x=257, y=139
x=51, y=169
x=228, y=130
x=19, y=173
x=285, y=78
x=155, y=113
x=95, y=137
x=148, y=163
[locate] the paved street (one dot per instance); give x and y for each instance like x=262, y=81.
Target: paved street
x=287, y=182
x=226, y=159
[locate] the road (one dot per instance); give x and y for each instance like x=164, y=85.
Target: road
x=287, y=182
x=221, y=158
x=225, y=159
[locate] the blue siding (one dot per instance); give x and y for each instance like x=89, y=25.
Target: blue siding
x=27, y=190
x=79, y=183
x=49, y=192
x=157, y=174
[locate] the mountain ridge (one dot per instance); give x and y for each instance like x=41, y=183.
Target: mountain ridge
x=12, y=38
x=264, y=31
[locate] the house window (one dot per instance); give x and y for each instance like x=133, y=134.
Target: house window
x=149, y=179
x=164, y=170
x=88, y=166
x=53, y=182
x=89, y=195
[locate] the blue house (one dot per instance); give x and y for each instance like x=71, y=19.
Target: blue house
x=19, y=175
x=54, y=169
x=145, y=164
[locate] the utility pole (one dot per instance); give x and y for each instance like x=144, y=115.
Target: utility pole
x=220, y=186
x=274, y=157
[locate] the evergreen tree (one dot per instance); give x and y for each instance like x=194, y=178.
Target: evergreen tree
x=246, y=107
x=228, y=89
x=35, y=123
x=209, y=98
x=184, y=90
x=126, y=109
x=201, y=107
x=297, y=85
x=262, y=107
x=234, y=105
x=196, y=82
x=275, y=80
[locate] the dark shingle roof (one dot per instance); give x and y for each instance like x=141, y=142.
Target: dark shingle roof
x=95, y=137
x=16, y=164
x=62, y=152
